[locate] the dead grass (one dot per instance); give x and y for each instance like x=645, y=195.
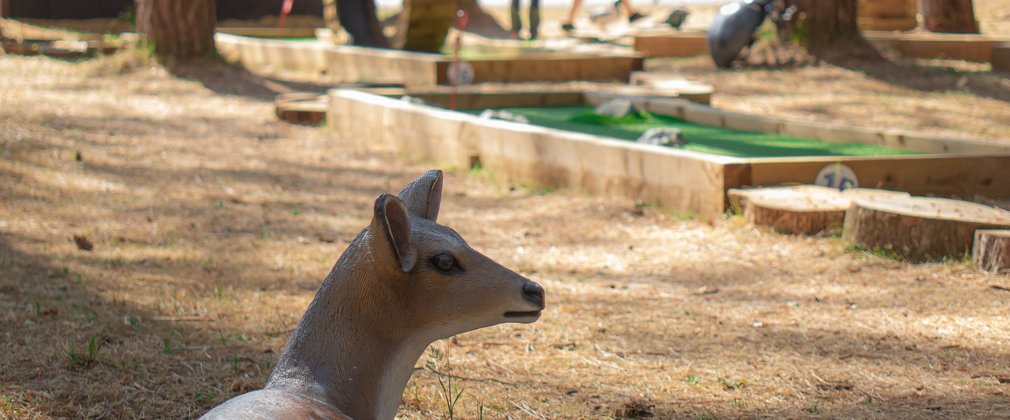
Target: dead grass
x=213, y=225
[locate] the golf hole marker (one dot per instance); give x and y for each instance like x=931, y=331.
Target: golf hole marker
x=837, y=175
x=460, y=73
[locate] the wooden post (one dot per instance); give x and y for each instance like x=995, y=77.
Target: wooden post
x=920, y=228
x=992, y=250
x=1001, y=57
x=5, y=8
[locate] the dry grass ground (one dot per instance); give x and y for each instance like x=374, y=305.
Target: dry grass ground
x=213, y=225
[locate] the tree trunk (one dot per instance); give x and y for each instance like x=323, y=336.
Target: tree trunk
x=423, y=24
x=830, y=28
x=177, y=29
x=957, y=16
x=481, y=23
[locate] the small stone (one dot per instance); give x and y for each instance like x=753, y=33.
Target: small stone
x=412, y=100
x=491, y=114
x=758, y=324
x=670, y=137
x=617, y=107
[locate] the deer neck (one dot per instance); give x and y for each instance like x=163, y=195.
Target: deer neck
x=344, y=352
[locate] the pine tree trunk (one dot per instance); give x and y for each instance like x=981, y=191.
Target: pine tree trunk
x=177, y=29
x=481, y=23
x=825, y=25
x=957, y=16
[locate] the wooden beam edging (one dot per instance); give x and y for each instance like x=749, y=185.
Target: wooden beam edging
x=673, y=178
x=829, y=132
x=345, y=63
x=272, y=56
x=968, y=47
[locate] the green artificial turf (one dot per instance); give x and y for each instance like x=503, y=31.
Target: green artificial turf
x=701, y=138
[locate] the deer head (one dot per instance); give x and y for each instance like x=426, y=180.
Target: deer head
x=438, y=285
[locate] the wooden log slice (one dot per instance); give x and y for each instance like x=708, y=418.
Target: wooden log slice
x=802, y=209
x=301, y=108
x=920, y=228
x=992, y=250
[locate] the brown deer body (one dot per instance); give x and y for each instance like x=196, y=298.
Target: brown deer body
x=404, y=282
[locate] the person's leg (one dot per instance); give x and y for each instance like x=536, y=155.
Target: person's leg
x=569, y=24
x=517, y=21
x=534, y=19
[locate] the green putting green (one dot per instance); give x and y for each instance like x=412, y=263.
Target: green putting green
x=701, y=138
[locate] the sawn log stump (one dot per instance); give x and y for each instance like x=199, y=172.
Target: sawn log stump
x=992, y=250
x=920, y=228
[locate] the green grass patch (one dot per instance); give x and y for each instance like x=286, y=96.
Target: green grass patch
x=701, y=138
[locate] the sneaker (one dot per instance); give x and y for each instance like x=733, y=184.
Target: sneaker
x=568, y=27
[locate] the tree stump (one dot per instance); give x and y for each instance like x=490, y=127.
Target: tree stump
x=920, y=228
x=801, y=209
x=956, y=16
x=992, y=250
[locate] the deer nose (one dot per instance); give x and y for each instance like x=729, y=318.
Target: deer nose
x=534, y=293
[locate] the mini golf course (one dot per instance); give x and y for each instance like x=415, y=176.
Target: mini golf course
x=705, y=139
x=566, y=145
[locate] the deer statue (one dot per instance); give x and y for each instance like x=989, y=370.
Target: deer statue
x=404, y=282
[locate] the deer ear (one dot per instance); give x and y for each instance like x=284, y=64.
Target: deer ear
x=424, y=196
x=391, y=224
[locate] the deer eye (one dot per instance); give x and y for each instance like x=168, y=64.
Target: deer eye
x=443, y=262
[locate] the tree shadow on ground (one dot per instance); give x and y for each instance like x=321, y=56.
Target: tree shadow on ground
x=227, y=79
x=928, y=76
x=75, y=349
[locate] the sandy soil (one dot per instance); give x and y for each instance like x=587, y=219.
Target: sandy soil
x=213, y=225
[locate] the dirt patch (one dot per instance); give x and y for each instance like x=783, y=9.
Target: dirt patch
x=213, y=224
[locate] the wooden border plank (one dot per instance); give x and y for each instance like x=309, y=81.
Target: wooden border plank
x=359, y=64
x=964, y=175
x=267, y=32
x=668, y=43
x=932, y=45
x=1001, y=57
x=671, y=44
